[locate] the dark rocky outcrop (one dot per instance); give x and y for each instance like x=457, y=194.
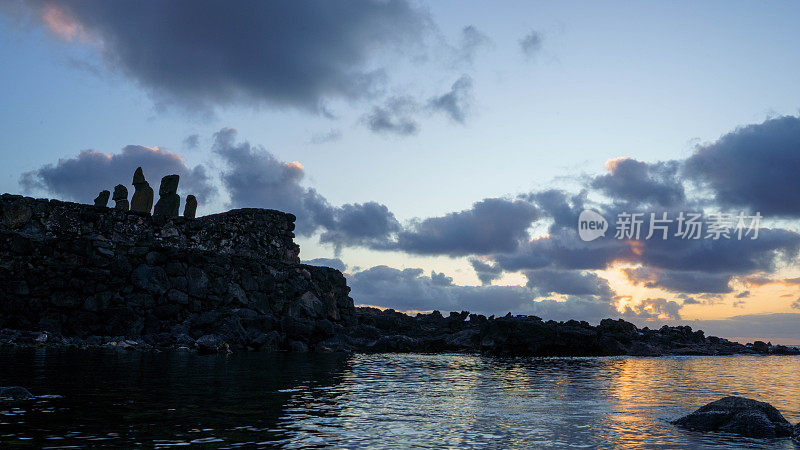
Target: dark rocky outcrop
x=388, y=330
x=14, y=393
x=73, y=273
x=738, y=415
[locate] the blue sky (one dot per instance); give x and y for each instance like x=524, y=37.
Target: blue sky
x=651, y=81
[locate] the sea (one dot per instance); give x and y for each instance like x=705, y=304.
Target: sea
x=126, y=399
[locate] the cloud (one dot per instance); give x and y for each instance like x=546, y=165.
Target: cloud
x=678, y=280
x=335, y=263
x=568, y=282
x=202, y=54
x=412, y=290
x=753, y=167
x=256, y=178
x=754, y=326
x=491, y=225
x=486, y=272
x=192, y=141
x=325, y=137
x=796, y=304
x=653, y=308
x=395, y=116
x=471, y=41
x=635, y=182
x=531, y=43
x=368, y=224
x=82, y=177
x=456, y=102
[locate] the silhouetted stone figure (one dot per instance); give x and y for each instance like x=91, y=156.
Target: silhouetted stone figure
x=121, y=197
x=168, y=199
x=102, y=199
x=142, y=200
x=190, y=208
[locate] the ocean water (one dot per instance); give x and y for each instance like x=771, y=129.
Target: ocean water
x=125, y=399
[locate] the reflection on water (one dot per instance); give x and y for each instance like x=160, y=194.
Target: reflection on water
x=109, y=398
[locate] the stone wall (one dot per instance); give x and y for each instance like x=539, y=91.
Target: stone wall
x=83, y=271
x=262, y=233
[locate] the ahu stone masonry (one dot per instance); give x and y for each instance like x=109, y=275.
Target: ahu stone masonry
x=231, y=279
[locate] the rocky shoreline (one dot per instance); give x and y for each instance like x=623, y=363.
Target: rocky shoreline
x=375, y=330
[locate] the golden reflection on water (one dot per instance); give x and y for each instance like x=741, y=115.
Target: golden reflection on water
x=456, y=400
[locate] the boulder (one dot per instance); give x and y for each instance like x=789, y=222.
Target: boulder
x=14, y=393
x=738, y=415
x=142, y=200
x=102, y=199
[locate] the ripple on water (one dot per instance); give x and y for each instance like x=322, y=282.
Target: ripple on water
x=177, y=399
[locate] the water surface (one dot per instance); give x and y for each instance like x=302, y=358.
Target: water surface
x=122, y=399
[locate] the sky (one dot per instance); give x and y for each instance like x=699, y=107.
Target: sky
x=440, y=154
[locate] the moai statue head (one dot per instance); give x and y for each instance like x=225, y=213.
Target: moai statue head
x=102, y=199
x=121, y=197
x=142, y=200
x=190, y=208
x=169, y=201
x=169, y=185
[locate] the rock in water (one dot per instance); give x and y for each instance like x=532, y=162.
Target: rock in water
x=14, y=393
x=738, y=415
x=796, y=432
x=142, y=200
x=168, y=199
x=190, y=209
x=121, y=197
x=102, y=199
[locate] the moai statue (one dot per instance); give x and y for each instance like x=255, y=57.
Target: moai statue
x=190, y=208
x=168, y=200
x=121, y=197
x=102, y=199
x=142, y=200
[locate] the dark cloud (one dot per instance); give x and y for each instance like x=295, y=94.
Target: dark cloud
x=456, y=102
x=368, y=224
x=753, y=326
x=562, y=249
x=256, y=178
x=796, y=304
x=192, y=141
x=491, y=225
x=635, y=182
x=678, y=280
x=325, y=137
x=531, y=43
x=743, y=294
x=689, y=300
x=485, y=271
x=567, y=282
x=753, y=167
x=200, y=54
x=412, y=290
x=335, y=263
x=395, y=116
x=82, y=177
x=471, y=41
